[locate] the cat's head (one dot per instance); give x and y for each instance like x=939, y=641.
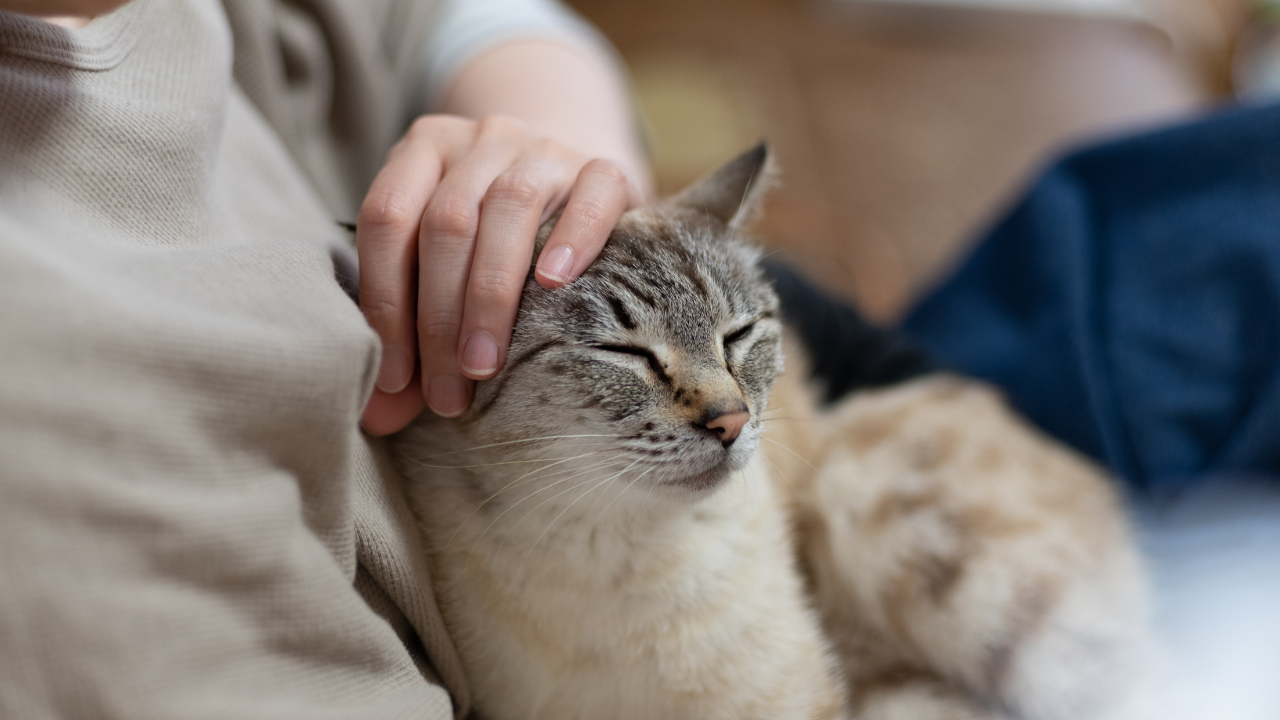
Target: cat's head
x=661, y=355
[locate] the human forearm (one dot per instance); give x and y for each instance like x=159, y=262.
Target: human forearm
x=569, y=92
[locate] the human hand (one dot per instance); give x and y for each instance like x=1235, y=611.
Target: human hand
x=445, y=238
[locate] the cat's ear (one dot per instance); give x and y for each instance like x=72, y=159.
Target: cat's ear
x=734, y=193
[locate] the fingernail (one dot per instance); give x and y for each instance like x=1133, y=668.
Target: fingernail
x=556, y=264
x=447, y=395
x=480, y=354
x=396, y=370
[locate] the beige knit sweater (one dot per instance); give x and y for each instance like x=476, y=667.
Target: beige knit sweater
x=191, y=524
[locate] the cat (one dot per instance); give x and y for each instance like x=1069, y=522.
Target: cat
x=625, y=526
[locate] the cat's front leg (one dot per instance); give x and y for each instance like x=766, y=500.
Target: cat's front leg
x=978, y=550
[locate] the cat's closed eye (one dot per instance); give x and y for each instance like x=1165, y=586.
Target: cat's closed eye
x=654, y=363
x=625, y=349
x=738, y=334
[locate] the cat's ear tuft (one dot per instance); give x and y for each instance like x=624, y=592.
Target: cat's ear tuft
x=733, y=194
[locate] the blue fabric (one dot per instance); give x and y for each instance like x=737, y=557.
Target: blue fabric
x=1130, y=303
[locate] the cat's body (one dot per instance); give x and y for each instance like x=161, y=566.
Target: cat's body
x=629, y=607
x=607, y=542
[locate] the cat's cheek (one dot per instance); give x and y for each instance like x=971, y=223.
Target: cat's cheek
x=759, y=371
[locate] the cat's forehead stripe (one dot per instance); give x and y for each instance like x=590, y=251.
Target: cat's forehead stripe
x=636, y=292
x=509, y=370
x=690, y=270
x=620, y=312
x=674, y=269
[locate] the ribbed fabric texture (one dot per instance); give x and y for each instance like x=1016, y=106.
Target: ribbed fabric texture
x=191, y=524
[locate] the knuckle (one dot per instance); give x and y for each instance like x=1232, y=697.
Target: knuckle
x=453, y=217
x=548, y=148
x=386, y=211
x=400, y=145
x=438, y=327
x=380, y=308
x=430, y=125
x=495, y=285
x=501, y=125
x=516, y=188
x=607, y=170
x=423, y=125
x=592, y=218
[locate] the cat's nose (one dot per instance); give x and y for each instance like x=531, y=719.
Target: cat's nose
x=727, y=425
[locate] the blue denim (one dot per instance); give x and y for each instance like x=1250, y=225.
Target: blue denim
x=1130, y=302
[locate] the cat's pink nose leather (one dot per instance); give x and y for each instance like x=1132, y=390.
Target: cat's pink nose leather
x=729, y=425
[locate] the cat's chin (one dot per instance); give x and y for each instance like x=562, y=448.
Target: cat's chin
x=708, y=480
x=704, y=481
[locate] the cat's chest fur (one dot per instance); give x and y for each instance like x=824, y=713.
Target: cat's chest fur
x=618, y=604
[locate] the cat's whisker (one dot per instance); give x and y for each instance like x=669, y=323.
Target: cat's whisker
x=816, y=420
x=614, y=476
x=514, y=505
x=648, y=500
x=625, y=488
x=742, y=479
x=577, y=472
x=622, y=490
x=820, y=422
x=566, y=509
x=803, y=459
x=773, y=408
x=553, y=497
x=791, y=485
x=525, y=440
x=534, y=474
x=584, y=483
x=734, y=477
x=492, y=464
x=643, y=508
x=512, y=484
x=618, y=474
x=573, y=472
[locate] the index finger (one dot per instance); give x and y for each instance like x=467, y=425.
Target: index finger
x=599, y=197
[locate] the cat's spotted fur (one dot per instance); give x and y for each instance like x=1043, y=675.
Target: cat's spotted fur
x=600, y=552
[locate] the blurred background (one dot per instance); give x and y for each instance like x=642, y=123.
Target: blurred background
x=902, y=128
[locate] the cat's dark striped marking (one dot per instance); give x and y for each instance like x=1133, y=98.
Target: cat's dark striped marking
x=639, y=294
x=484, y=408
x=620, y=312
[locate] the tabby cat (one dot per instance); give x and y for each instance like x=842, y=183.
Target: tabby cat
x=623, y=526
